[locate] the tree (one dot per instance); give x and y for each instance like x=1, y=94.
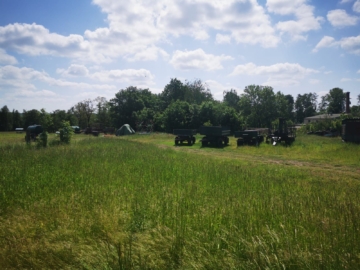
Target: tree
x=231, y=99
x=83, y=110
x=177, y=116
x=46, y=121
x=258, y=106
x=31, y=117
x=17, y=120
x=305, y=106
x=333, y=102
x=5, y=119
x=102, y=112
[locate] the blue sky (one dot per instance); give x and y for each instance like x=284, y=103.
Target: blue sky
x=56, y=53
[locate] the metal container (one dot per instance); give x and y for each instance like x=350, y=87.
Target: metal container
x=351, y=130
x=214, y=131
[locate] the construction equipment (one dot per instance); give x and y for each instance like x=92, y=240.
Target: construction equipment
x=184, y=135
x=351, y=130
x=215, y=135
x=282, y=133
x=250, y=137
x=32, y=132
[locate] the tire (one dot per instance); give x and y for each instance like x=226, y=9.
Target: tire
x=226, y=141
x=176, y=142
x=219, y=142
x=189, y=142
x=193, y=140
x=204, y=143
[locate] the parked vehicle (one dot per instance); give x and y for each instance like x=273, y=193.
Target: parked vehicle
x=215, y=135
x=351, y=130
x=32, y=132
x=282, y=133
x=251, y=137
x=184, y=135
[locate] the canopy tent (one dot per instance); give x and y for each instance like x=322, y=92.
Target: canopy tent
x=124, y=130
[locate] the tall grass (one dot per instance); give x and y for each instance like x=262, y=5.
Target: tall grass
x=108, y=203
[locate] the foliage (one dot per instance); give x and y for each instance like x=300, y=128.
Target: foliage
x=31, y=117
x=177, y=115
x=6, y=120
x=42, y=140
x=333, y=102
x=46, y=121
x=83, y=111
x=66, y=132
x=305, y=106
x=231, y=99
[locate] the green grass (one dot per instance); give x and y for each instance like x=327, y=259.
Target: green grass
x=117, y=203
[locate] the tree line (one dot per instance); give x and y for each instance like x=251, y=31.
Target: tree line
x=183, y=105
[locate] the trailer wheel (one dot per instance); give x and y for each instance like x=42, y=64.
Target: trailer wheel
x=189, y=142
x=176, y=142
x=219, y=142
x=240, y=143
x=204, y=143
x=193, y=140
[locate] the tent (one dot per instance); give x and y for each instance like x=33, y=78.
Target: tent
x=124, y=130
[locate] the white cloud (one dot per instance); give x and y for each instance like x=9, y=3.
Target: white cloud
x=351, y=44
x=133, y=76
x=217, y=89
x=356, y=6
x=314, y=81
x=339, y=18
x=6, y=59
x=221, y=39
x=358, y=71
x=280, y=74
x=345, y=1
x=150, y=53
x=74, y=71
x=304, y=17
x=345, y=80
x=197, y=59
x=326, y=41
x=23, y=78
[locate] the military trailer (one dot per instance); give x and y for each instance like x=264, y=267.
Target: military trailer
x=215, y=135
x=184, y=135
x=32, y=132
x=250, y=137
x=351, y=130
x=282, y=133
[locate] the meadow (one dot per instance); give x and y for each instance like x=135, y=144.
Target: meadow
x=139, y=202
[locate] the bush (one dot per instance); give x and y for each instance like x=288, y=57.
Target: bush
x=42, y=140
x=66, y=132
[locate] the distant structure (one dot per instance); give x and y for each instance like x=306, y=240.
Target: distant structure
x=321, y=117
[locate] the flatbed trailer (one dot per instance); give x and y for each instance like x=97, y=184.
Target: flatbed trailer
x=282, y=133
x=215, y=135
x=185, y=135
x=351, y=130
x=249, y=136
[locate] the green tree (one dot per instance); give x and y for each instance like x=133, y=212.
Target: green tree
x=5, y=119
x=102, y=112
x=66, y=132
x=231, y=99
x=31, y=117
x=17, y=120
x=83, y=111
x=333, y=102
x=305, y=106
x=45, y=120
x=258, y=106
x=178, y=115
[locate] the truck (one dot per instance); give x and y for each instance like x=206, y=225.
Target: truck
x=351, y=130
x=32, y=132
x=250, y=137
x=185, y=135
x=215, y=135
x=281, y=133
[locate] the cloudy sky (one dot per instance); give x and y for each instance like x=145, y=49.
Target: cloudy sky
x=56, y=53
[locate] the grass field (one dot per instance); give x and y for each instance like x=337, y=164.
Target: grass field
x=139, y=202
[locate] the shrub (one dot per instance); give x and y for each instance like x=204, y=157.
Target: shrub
x=66, y=132
x=43, y=139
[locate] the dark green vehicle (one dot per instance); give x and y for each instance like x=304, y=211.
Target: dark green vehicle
x=32, y=132
x=184, y=135
x=250, y=137
x=215, y=135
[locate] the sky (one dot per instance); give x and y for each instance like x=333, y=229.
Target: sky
x=54, y=54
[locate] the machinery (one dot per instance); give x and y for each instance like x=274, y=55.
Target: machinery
x=351, y=130
x=281, y=133
x=184, y=135
x=250, y=137
x=215, y=135
x=32, y=132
